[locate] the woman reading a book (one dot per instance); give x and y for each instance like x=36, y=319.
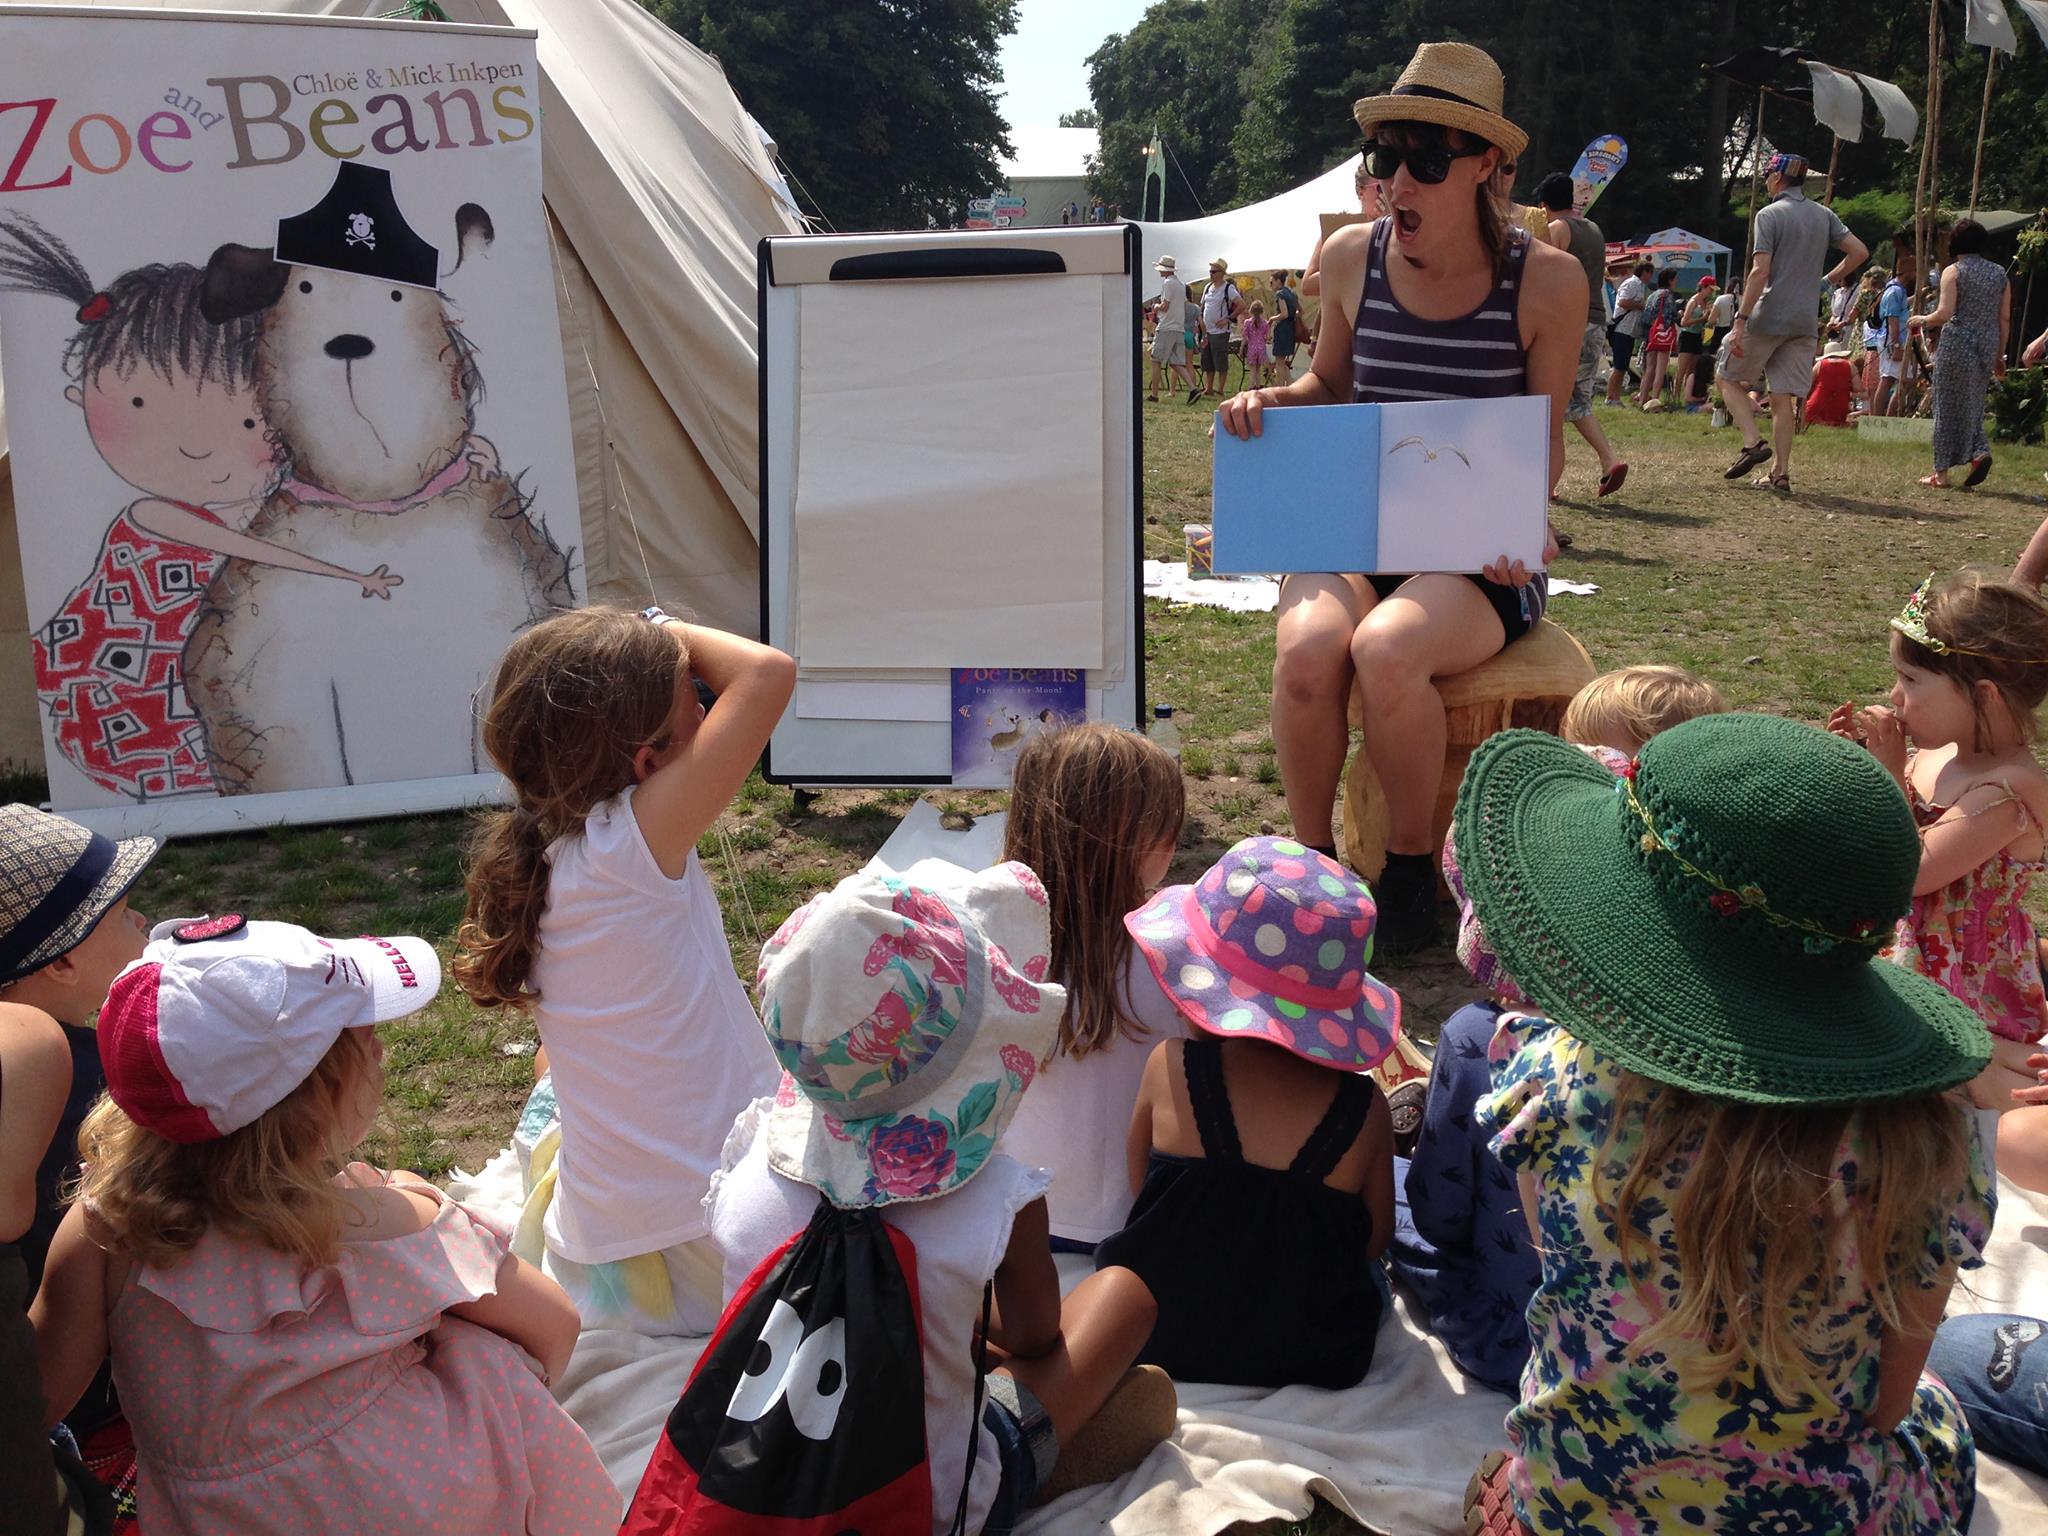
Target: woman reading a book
x=1440, y=299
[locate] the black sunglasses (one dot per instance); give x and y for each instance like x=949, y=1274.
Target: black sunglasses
x=1427, y=163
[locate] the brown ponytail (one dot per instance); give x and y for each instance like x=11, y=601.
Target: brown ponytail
x=574, y=700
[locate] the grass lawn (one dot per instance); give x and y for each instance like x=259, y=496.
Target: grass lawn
x=1783, y=602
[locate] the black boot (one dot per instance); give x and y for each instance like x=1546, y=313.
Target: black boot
x=1406, y=896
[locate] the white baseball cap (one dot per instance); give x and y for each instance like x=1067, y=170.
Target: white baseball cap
x=222, y=1017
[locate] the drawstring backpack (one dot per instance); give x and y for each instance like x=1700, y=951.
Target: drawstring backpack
x=805, y=1414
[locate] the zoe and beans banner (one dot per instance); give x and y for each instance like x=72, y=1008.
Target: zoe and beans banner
x=284, y=396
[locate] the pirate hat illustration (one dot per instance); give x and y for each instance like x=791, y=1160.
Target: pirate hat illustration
x=358, y=227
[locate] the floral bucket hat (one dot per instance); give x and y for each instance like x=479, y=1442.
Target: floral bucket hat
x=1272, y=944
x=909, y=1016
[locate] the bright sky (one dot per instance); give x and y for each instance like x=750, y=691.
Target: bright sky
x=1045, y=61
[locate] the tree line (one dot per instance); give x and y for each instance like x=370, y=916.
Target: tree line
x=1254, y=96
x=886, y=110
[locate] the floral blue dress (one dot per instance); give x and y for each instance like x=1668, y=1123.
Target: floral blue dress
x=1614, y=1444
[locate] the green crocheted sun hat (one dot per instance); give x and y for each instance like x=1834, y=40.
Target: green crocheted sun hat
x=1712, y=918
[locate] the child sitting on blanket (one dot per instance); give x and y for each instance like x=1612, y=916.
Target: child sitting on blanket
x=66, y=931
x=1971, y=658
x=1461, y=1244
x=1095, y=813
x=931, y=998
x=1733, y=1129
x=303, y=1343
x=588, y=905
x=1261, y=1150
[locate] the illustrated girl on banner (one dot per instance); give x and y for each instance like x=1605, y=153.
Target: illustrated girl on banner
x=170, y=406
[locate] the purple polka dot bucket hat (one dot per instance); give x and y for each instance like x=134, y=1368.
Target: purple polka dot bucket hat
x=1272, y=944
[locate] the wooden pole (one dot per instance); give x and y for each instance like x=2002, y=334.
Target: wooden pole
x=1926, y=145
x=1834, y=159
x=1756, y=174
x=1983, y=114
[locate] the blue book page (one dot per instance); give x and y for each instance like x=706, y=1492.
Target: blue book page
x=1303, y=495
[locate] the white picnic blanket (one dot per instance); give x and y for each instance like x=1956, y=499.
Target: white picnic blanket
x=1393, y=1452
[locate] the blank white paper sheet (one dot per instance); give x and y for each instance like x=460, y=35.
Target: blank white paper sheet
x=949, y=496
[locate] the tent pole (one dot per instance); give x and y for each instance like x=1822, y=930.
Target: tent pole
x=1756, y=173
x=1983, y=114
x=1834, y=159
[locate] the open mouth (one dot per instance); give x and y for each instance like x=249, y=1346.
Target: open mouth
x=1406, y=222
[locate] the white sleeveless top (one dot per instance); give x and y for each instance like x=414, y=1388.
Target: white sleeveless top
x=960, y=1237
x=650, y=1037
x=1076, y=1120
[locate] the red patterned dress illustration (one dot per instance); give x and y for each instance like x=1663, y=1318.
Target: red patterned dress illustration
x=109, y=665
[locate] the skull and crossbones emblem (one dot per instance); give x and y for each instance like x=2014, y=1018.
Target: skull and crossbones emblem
x=362, y=230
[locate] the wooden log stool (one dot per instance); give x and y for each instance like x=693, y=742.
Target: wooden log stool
x=1528, y=683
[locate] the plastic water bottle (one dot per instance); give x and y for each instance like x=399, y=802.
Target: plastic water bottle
x=1163, y=732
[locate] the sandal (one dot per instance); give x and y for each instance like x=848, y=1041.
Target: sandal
x=1611, y=481
x=1782, y=484
x=1935, y=482
x=1747, y=460
x=1979, y=468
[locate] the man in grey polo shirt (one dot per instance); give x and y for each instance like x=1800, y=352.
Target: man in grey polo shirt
x=1772, y=340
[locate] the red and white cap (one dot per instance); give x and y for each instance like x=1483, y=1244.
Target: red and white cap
x=222, y=1017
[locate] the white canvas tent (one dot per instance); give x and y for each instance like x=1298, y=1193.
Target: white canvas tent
x=658, y=188
x=1280, y=232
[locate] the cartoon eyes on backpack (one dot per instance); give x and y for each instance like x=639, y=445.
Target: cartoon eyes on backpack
x=807, y=1374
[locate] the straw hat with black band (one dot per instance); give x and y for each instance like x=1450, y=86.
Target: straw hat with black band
x=1452, y=84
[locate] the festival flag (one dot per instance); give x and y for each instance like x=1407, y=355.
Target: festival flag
x=1155, y=165
x=1604, y=157
x=1988, y=25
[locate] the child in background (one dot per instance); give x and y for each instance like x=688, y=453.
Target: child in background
x=1258, y=338
x=1461, y=1241
x=928, y=997
x=1621, y=710
x=65, y=933
x=303, y=1344
x=1827, y=405
x=1971, y=656
x=588, y=905
x=1094, y=813
x=1749, y=1185
x=45, y=1487
x=1261, y=1151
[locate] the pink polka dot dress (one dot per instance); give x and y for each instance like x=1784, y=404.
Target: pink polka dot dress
x=269, y=1396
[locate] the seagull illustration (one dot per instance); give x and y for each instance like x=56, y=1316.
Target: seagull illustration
x=1429, y=453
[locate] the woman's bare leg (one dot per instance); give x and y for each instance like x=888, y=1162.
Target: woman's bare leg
x=1433, y=626
x=1319, y=614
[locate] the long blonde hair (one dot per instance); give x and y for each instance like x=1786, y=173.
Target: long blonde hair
x=1761, y=1226
x=575, y=699
x=151, y=1199
x=1087, y=803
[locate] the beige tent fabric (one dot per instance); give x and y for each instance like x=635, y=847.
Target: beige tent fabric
x=658, y=191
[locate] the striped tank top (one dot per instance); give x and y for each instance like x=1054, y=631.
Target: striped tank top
x=1396, y=357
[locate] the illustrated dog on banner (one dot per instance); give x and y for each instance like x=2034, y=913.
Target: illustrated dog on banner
x=301, y=423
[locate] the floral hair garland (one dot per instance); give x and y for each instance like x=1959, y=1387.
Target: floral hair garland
x=1727, y=899
x=1912, y=623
